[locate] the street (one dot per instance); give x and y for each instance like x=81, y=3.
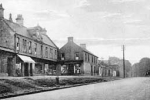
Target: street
x=125, y=89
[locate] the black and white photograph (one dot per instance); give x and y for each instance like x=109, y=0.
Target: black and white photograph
x=74, y=49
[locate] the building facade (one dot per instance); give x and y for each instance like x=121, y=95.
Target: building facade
x=25, y=51
x=77, y=60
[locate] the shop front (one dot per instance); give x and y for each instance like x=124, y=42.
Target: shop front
x=24, y=66
x=71, y=68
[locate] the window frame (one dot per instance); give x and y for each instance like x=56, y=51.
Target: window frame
x=35, y=48
x=17, y=43
x=76, y=55
x=62, y=56
x=30, y=47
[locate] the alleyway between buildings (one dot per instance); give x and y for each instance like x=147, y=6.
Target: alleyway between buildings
x=125, y=89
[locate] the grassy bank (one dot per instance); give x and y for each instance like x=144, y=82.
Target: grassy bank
x=25, y=85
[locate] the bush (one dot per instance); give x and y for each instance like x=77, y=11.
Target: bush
x=20, y=84
x=5, y=89
x=45, y=82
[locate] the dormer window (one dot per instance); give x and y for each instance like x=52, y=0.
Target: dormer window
x=62, y=56
x=76, y=56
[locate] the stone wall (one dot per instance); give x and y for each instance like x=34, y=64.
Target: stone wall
x=7, y=64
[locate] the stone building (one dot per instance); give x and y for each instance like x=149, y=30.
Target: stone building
x=77, y=60
x=25, y=51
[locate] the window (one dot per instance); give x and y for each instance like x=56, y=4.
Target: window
x=25, y=45
x=88, y=57
x=35, y=48
x=51, y=53
x=85, y=57
x=46, y=52
x=63, y=56
x=18, y=43
x=41, y=50
x=76, y=56
x=30, y=47
x=55, y=54
x=92, y=59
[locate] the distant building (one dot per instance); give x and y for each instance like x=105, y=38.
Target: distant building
x=114, y=67
x=77, y=60
x=107, y=69
x=25, y=51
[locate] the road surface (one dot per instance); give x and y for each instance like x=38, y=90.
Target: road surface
x=125, y=89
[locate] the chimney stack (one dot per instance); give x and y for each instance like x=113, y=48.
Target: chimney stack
x=10, y=17
x=1, y=11
x=19, y=20
x=83, y=46
x=70, y=39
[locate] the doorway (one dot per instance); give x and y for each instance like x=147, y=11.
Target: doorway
x=31, y=70
x=26, y=69
x=70, y=69
x=9, y=66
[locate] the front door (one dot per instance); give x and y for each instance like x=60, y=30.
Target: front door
x=26, y=71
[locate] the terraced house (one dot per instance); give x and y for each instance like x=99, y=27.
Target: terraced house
x=77, y=60
x=25, y=51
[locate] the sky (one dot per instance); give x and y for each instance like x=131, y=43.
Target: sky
x=103, y=25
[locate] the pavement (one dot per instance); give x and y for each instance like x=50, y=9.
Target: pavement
x=125, y=89
x=62, y=77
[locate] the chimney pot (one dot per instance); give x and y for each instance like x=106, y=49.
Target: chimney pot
x=10, y=17
x=1, y=11
x=19, y=19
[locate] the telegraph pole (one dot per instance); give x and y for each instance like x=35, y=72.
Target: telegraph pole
x=123, y=61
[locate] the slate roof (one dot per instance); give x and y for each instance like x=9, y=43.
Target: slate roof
x=24, y=31
x=18, y=28
x=72, y=44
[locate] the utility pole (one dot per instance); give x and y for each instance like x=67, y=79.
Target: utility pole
x=123, y=61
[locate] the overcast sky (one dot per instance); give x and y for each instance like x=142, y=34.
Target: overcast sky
x=104, y=25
